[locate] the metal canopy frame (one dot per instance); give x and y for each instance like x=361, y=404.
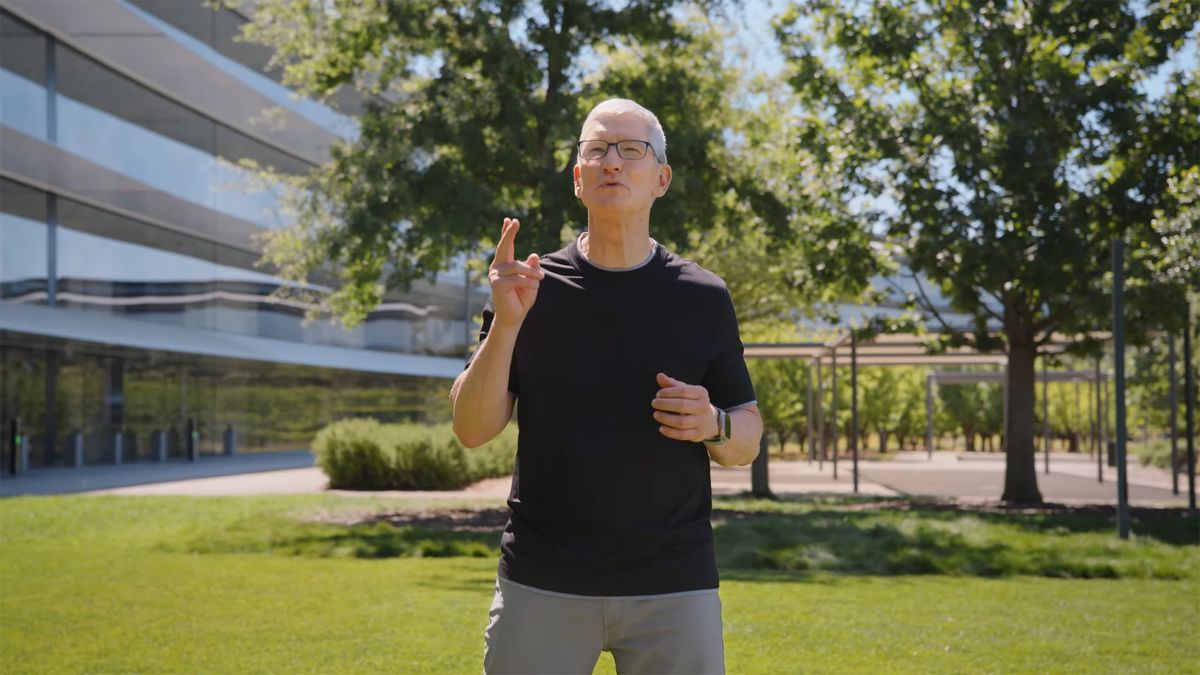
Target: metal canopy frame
x=908, y=349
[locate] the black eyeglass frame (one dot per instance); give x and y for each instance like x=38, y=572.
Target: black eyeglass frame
x=649, y=150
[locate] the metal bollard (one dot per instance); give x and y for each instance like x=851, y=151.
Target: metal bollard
x=22, y=451
x=14, y=436
x=230, y=440
x=118, y=446
x=158, y=445
x=1111, y=452
x=75, y=448
x=193, y=441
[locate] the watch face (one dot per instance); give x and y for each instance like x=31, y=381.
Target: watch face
x=727, y=431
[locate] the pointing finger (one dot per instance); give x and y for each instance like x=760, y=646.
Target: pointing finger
x=504, y=249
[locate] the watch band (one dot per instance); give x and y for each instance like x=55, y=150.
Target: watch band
x=724, y=428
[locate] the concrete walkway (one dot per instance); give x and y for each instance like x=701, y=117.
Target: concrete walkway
x=99, y=477
x=962, y=475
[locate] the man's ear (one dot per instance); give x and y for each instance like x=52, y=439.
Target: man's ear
x=664, y=180
x=576, y=181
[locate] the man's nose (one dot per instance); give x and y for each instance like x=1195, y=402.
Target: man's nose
x=612, y=159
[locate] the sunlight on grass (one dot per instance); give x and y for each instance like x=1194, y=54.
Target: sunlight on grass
x=181, y=584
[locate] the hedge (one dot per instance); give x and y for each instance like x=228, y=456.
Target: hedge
x=363, y=454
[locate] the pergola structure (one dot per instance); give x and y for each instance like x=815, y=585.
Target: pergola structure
x=910, y=350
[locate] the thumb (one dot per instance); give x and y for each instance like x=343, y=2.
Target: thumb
x=533, y=260
x=664, y=381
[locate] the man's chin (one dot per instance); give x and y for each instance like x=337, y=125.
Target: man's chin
x=614, y=202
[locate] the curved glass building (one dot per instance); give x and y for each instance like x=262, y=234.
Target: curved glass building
x=135, y=325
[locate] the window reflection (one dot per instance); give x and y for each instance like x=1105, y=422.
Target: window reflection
x=121, y=125
x=22, y=77
x=102, y=392
x=23, y=260
x=111, y=264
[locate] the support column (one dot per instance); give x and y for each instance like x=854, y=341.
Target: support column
x=1173, y=405
x=854, y=405
x=808, y=421
x=1189, y=415
x=1045, y=412
x=819, y=413
x=1079, y=420
x=929, y=416
x=834, y=408
x=1118, y=310
x=1096, y=435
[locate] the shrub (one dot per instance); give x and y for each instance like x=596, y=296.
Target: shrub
x=1158, y=453
x=363, y=454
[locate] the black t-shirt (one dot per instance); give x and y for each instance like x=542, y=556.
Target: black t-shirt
x=601, y=502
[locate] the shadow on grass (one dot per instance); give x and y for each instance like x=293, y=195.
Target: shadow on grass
x=398, y=535
x=1169, y=525
x=873, y=536
x=797, y=540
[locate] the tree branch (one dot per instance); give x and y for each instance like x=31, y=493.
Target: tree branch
x=929, y=306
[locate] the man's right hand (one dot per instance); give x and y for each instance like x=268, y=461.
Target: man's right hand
x=514, y=284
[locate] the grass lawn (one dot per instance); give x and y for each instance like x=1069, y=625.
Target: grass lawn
x=251, y=584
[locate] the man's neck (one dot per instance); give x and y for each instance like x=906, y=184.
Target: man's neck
x=616, y=247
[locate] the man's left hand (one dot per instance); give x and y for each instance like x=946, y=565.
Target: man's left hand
x=683, y=410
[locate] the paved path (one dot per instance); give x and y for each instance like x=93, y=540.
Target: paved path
x=964, y=475
x=93, y=477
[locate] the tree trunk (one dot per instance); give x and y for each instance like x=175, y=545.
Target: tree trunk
x=969, y=438
x=883, y=441
x=1020, y=475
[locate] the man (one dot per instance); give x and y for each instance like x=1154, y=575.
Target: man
x=628, y=365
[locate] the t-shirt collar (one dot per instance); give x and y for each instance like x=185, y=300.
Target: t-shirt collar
x=645, y=261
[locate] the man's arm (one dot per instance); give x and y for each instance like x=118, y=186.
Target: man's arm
x=743, y=445
x=686, y=414
x=479, y=397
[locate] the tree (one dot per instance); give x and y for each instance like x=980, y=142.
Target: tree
x=881, y=406
x=963, y=403
x=1005, y=145
x=472, y=110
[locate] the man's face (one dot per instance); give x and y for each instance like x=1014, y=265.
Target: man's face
x=612, y=183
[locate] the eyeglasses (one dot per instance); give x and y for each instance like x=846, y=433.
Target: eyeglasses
x=627, y=149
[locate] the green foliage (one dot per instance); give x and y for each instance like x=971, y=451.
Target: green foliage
x=998, y=148
x=472, y=111
x=1015, y=138
x=1158, y=453
x=362, y=454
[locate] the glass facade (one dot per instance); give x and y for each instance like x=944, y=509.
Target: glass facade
x=95, y=254
x=102, y=391
x=22, y=77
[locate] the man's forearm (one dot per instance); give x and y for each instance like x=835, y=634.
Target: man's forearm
x=742, y=446
x=480, y=396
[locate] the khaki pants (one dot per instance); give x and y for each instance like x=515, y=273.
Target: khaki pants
x=536, y=631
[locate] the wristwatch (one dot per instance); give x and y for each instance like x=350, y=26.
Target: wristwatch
x=724, y=428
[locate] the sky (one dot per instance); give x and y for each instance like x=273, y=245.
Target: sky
x=755, y=33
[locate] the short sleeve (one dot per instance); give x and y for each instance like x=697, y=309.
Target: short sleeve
x=489, y=313
x=727, y=379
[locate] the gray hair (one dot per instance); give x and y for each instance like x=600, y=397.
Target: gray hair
x=658, y=140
